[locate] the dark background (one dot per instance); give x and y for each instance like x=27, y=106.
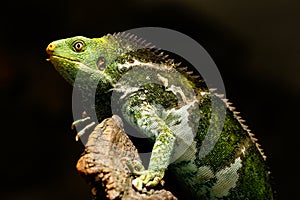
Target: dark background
x=255, y=45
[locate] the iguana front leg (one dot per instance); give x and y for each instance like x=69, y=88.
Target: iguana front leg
x=145, y=117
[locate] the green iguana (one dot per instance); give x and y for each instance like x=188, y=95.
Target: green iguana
x=174, y=108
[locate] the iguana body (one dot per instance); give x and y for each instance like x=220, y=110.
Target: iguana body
x=172, y=107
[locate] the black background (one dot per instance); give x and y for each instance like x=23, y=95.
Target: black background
x=255, y=45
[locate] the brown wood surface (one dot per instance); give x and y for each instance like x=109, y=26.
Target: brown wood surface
x=103, y=167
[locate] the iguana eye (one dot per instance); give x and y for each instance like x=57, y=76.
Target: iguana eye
x=78, y=46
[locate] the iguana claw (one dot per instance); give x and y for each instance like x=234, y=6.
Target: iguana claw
x=81, y=121
x=84, y=130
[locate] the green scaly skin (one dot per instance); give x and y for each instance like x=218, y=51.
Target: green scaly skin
x=164, y=102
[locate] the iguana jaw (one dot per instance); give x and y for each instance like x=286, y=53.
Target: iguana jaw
x=67, y=67
x=51, y=56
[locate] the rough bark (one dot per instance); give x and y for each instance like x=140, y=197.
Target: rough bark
x=102, y=164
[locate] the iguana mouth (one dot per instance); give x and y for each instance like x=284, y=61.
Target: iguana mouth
x=60, y=57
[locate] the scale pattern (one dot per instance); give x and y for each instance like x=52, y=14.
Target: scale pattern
x=170, y=104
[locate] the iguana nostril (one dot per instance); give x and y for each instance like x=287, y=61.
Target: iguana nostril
x=50, y=47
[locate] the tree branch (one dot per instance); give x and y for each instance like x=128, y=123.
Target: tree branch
x=102, y=164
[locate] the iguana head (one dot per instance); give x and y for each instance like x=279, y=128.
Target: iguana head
x=93, y=56
x=79, y=53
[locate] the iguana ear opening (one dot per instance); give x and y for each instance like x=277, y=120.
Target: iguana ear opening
x=101, y=63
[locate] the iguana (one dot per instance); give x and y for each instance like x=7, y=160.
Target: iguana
x=174, y=108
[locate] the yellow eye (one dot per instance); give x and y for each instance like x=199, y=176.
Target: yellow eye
x=78, y=46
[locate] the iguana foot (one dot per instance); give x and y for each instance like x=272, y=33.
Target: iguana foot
x=148, y=178
x=86, y=127
x=84, y=130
